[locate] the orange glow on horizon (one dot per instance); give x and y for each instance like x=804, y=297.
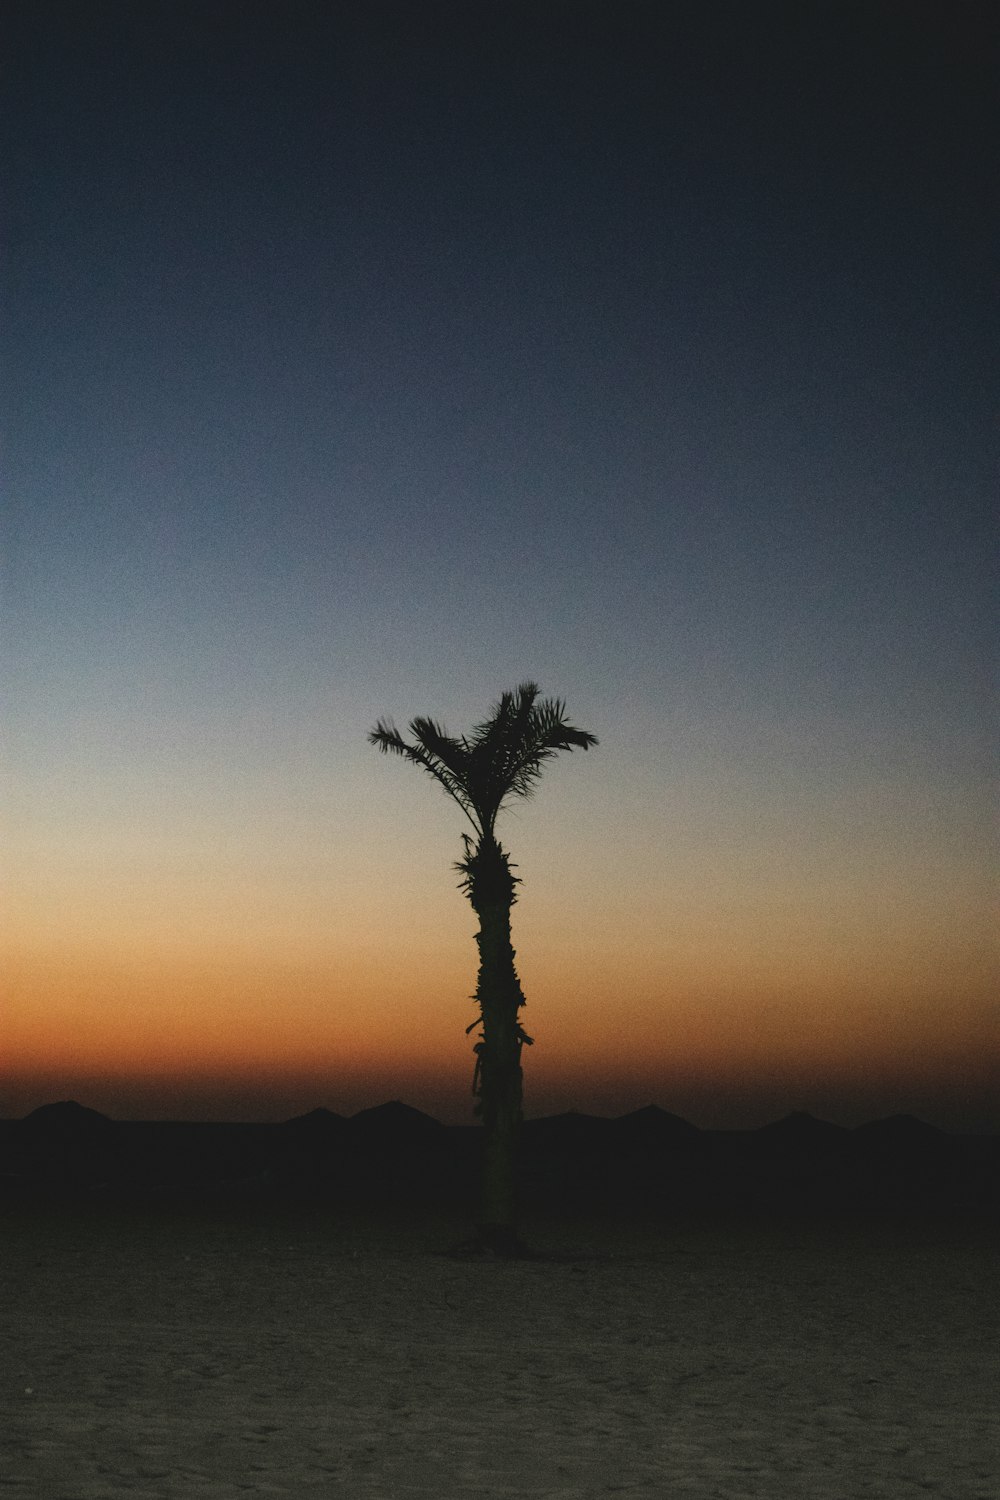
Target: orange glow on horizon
x=233, y=1027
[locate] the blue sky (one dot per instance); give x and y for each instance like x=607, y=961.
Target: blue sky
x=371, y=364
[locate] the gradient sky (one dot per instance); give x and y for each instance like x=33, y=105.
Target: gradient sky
x=370, y=363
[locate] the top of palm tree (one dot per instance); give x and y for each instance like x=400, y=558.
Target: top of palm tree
x=502, y=757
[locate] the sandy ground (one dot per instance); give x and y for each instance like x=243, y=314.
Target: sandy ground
x=233, y=1355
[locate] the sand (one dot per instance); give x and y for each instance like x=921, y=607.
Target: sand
x=254, y=1353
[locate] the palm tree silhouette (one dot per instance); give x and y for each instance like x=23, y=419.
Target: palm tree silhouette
x=502, y=758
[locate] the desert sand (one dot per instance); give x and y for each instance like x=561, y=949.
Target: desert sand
x=257, y=1352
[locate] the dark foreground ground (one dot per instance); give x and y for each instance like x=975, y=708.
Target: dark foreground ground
x=256, y=1349
x=210, y=1311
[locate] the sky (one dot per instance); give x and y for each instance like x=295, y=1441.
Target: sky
x=367, y=360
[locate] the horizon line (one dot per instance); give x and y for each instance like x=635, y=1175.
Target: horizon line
x=795, y=1114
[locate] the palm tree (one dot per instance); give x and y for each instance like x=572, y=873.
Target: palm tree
x=502, y=758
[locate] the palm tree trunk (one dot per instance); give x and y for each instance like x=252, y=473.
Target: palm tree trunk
x=499, y=995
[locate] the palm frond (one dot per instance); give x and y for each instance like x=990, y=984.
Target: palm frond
x=511, y=748
x=545, y=735
x=503, y=757
x=435, y=751
x=494, y=745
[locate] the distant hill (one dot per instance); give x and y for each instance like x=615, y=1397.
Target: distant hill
x=801, y=1131
x=317, y=1122
x=902, y=1136
x=67, y=1117
x=648, y=1160
x=393, y=1122
x=650, y=1119
x=651, y=1124
x=905, y=1128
